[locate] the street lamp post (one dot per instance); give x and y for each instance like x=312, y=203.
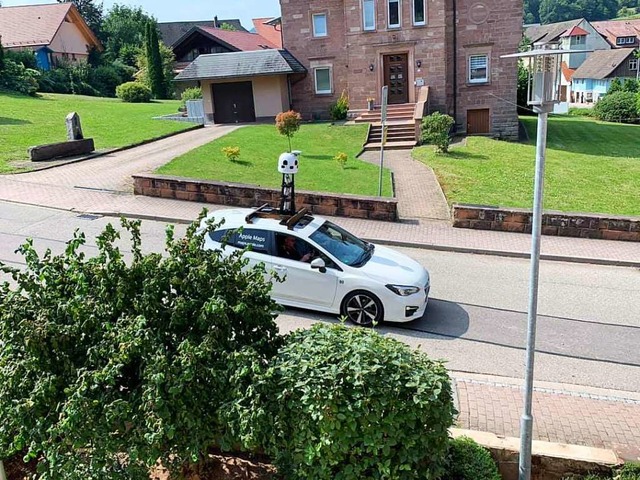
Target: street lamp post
x=543, y=93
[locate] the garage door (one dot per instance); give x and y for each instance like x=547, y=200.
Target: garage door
x=233, y=102
x=478, y=121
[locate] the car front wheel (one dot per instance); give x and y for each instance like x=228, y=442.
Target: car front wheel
x=362, y=308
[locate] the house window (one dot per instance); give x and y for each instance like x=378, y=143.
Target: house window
x=419, y=13
x=369, y=14
x=478, y=69
x=619, y=41
x=320, y=25
x=393, y=13
x=579, y=39
x=323, y=80
x=633, y=64
x=631, y=40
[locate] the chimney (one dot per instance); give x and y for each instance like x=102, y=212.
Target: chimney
x=215, y=22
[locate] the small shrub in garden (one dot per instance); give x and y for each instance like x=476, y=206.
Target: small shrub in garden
x=344, y=403
x=288, y=123
x=581, y=112
x=133, y=92
x=232, y=153
x=103, y=356
x=193, y=93
x=470, y=461
x=629, y=471
x=435, y=131
x=617, y=107
x=339, y=110
x=341, y=159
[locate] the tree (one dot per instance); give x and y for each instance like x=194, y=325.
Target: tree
x=168, y=63
x=124, y=28
x=552, y=11
x=288, y=123
x=1, y=54
x=91, y=12
x=105, y=355
x=154, y=62
x=228, y=26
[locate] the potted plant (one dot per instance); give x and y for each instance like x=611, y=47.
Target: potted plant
x=370, y=101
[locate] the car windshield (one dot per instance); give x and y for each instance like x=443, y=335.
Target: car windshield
x=347, y=248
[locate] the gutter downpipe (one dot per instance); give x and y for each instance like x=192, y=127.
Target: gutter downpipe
x=455, y=66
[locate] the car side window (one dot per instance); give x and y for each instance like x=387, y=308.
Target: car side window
x=294, y=248
x=222, y=236
x=258, y=240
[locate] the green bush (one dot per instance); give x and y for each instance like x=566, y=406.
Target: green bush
x=193, y=93
x=339, y=110
x=123, y=352
x=629, y=471
x=133, y=92
x=617, y=107
x=16, y=78
x=435, y=131
x=470, y=461
x=106, y=78
x=581, y=112
x=344, y=403
x=24, y=57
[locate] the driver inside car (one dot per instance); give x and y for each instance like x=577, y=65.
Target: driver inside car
x=288, y=249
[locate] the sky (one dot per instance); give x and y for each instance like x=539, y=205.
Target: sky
x=166, y=10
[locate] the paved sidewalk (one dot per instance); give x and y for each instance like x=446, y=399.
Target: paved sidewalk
x=562, y=413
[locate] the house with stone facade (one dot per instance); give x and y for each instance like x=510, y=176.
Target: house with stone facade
x=446, y=52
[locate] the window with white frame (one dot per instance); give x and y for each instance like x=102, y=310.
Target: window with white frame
x=419, y=12
x=323, y=80
x=631, y=40
x=393, y=13
x=319, y=24
x=633, y=64
x=369, y=14
x=478, y=68
x=579, y=40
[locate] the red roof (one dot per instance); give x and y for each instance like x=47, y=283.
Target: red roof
x=574, y=32
x=273, y=33
x=612, y=29
x=243, y=41
x=567, y=72
x=36, y=25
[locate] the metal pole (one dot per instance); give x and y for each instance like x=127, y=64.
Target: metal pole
x=382, y=138
x=3, y=476
x=526, y=422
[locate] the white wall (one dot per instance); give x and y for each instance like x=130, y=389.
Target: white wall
x=69, y=40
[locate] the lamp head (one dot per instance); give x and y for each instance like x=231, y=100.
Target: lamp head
x=288, y=163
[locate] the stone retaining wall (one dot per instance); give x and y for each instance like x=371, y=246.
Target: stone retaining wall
x=553, y=223
x=236, y=194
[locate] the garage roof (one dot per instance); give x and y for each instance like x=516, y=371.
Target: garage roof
x=241, y=64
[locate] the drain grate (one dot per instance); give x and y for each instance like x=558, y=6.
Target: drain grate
x=88, y=216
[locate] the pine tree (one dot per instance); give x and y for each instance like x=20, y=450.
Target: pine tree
x=1, y=53
x=154, y=62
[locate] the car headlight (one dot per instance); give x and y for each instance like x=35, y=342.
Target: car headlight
x=403, y=290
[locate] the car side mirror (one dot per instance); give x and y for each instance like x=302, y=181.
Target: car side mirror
x=318, y=264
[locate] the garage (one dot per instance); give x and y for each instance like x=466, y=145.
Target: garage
x=233, y=102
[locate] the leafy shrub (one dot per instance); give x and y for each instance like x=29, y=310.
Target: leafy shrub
x=193, y=93
x=629, y=471
x=109, y=355
x=24, y=57
x=616, y=107
x=106, y=78
x=470, y=461
x=345, y=403
x=341, y=159
x=288, y=123
x=630, y=85
x=133, y=92
x=339, y=110
x=16, y=78
x=435, y=131
x=581, y=112
x=232, y=153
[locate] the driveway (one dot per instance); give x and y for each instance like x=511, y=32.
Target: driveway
x=92, y=184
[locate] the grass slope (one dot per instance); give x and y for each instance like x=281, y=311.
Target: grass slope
x=27, y=121
x=591, y=167
x=260, y=147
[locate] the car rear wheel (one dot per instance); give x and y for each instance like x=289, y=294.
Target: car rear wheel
x=362, y=308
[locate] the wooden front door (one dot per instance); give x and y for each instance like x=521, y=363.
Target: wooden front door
x=395, y=77
x=233, y=102
x=478, y=121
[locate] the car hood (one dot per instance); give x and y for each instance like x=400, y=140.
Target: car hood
x=391, y=267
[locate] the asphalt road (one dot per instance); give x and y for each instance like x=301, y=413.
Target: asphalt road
x=589, y=316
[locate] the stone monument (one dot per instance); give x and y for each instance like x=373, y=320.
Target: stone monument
x=75, y=145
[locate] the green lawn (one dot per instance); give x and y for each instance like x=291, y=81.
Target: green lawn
x=27, y=121
x=591, y=167
x=260, y=147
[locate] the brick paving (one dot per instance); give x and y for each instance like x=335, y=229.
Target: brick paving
x=103, y=185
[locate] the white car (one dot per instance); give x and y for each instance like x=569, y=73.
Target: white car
x=325, y=267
